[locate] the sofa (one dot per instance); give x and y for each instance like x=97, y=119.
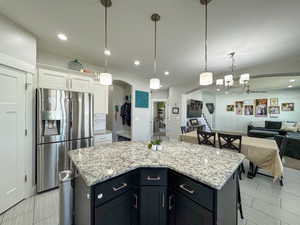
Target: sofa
x=289, y=145
x=269, y=130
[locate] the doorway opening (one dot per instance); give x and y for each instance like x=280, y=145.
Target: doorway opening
x=120, y=111
x=159, y=119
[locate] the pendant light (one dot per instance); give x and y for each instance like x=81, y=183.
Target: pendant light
x=205, y=78
x=229, y=78
x=106, y=77
x=155, y=82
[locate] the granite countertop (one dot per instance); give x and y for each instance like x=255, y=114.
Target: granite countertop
x=207, y=165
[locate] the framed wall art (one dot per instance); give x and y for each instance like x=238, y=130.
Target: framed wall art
x=230, y=108
x=239, y=107
x=261, y=107
x=249, y=110
x=288, y=107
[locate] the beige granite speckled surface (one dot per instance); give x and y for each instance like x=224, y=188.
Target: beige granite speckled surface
x=207, y=165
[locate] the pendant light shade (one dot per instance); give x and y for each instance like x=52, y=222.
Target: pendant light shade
x=206, y=78
x=244, y=78
x=154, y=83
x=219, y=82
x=105, y=78
x=229, y=80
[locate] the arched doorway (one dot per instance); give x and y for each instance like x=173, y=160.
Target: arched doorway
x=119, y=119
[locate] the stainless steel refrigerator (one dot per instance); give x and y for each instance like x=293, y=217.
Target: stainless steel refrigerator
x=64, y=123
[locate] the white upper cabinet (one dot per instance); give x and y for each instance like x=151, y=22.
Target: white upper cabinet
x=72, y=82
x=80, y=83
x=100, y=98
x=53, y=79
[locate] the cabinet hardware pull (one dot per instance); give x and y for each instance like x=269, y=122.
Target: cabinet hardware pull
x=170, y=202
x=100, y=196
x=153, y=178
x=163, y=200
x=119, y=188
x=136, y=201
x=182, y=186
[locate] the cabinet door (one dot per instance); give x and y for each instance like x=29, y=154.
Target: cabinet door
x=153, y=205
x=80, y=83
x=52, y=79
x=116, y=212
x=100, y=98
x=189, y=212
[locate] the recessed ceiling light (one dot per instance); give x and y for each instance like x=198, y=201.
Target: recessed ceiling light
x=137, y=62
x=62, y=37
x=167, y=73
x=290, y=86
x=107, y=52
x=292, y=81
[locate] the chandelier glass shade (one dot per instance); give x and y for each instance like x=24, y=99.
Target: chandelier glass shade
x=206, y=78
x=219, y=82
x=229, y=80
x=244, y=78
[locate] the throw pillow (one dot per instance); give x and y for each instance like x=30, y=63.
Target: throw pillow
x=291, y=129
x=298, y=126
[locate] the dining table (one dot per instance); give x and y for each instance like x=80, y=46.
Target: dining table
x=262, y=153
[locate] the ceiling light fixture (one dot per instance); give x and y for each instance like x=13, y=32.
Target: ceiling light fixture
x=205, y=78
x=290, y=86
x=106, y=78
x=155, y=82
x=244, y=78
x=62, y=37
x=167, y=73
x=219, y=82
x=137, y=62
x=292, y=81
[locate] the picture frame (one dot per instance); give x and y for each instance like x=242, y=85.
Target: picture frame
x=274, y=110
x=249, y=110
x=288, y=107
x=239, y=105
x=175, y=110
x=273, y=101
x=230, y=108
x=261, y=107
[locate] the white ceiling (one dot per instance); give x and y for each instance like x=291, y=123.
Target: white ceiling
x=259, y=31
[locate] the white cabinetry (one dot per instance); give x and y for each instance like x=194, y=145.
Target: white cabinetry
x=48, y=78
x=80, y=83
x=100, y=139
x=100, y=98
x=53, y=79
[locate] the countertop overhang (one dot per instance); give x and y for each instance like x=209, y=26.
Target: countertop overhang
x=210, y=166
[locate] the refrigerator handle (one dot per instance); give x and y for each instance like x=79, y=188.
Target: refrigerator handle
x=71, y=113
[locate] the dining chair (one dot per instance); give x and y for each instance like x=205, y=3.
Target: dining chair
x=205, y=137
x=232, y=142
x=184, y=129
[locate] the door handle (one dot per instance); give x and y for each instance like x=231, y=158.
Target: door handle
x=163, y=200
x=183, y=187
x=153, y=178
x=124, y=185
x=100, y=196
x=170, y=202
x=136, y=201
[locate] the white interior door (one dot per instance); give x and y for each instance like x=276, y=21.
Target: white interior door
x=12, y=127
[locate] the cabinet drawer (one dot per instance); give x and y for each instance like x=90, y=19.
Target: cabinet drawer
x=103, y=138
x=199, y=193
x=153, y=176
x=112, y=188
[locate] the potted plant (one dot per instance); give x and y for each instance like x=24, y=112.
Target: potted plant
x=155, y=145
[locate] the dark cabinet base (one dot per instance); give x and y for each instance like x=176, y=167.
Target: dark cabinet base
x=155, y=196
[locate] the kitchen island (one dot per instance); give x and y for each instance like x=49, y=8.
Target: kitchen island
x=125, y=183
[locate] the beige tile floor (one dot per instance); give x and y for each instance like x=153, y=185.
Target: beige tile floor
x=264, y=203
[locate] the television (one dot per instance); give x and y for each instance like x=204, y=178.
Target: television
x=194, y=108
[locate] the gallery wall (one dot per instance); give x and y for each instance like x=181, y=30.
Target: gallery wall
x=230, y=121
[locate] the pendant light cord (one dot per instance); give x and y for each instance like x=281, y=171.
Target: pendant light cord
x=155, y=48
x=206, y=35
x=105, y=38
